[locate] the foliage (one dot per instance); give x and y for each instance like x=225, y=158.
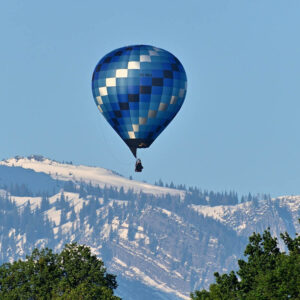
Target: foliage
x=73, y=274
x=268, y=273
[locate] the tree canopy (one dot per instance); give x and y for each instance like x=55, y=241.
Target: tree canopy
x=72, y=274
x=267, y=273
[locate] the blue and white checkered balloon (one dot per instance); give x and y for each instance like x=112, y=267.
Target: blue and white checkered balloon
x=139, y=90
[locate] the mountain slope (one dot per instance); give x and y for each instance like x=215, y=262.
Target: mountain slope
x=160, y=245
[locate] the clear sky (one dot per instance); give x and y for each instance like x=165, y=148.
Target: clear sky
x=238, y=128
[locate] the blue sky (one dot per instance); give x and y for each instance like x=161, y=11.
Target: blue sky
x=238, y=128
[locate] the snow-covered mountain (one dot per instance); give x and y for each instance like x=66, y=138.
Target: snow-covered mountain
x=161, y=243
x=95, y=176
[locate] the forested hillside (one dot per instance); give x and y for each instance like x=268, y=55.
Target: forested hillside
x=161, y=242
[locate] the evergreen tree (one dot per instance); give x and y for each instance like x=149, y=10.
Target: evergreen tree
x=45, y=205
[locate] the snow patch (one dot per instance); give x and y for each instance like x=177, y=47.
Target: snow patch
x=123, y=233
x=53, y=215
x=34, y=202
x=120, y=262
x=151, y=282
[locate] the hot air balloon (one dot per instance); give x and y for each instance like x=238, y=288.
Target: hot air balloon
x=139, y=90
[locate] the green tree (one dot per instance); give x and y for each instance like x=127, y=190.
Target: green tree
x=73, y=274
x=267, y=273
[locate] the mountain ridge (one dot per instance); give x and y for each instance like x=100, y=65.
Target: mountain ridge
x=95, y=175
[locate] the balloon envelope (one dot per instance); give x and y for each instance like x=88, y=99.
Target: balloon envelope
x=139, y=90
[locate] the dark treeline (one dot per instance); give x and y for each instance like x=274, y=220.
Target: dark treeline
x=193, y=195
